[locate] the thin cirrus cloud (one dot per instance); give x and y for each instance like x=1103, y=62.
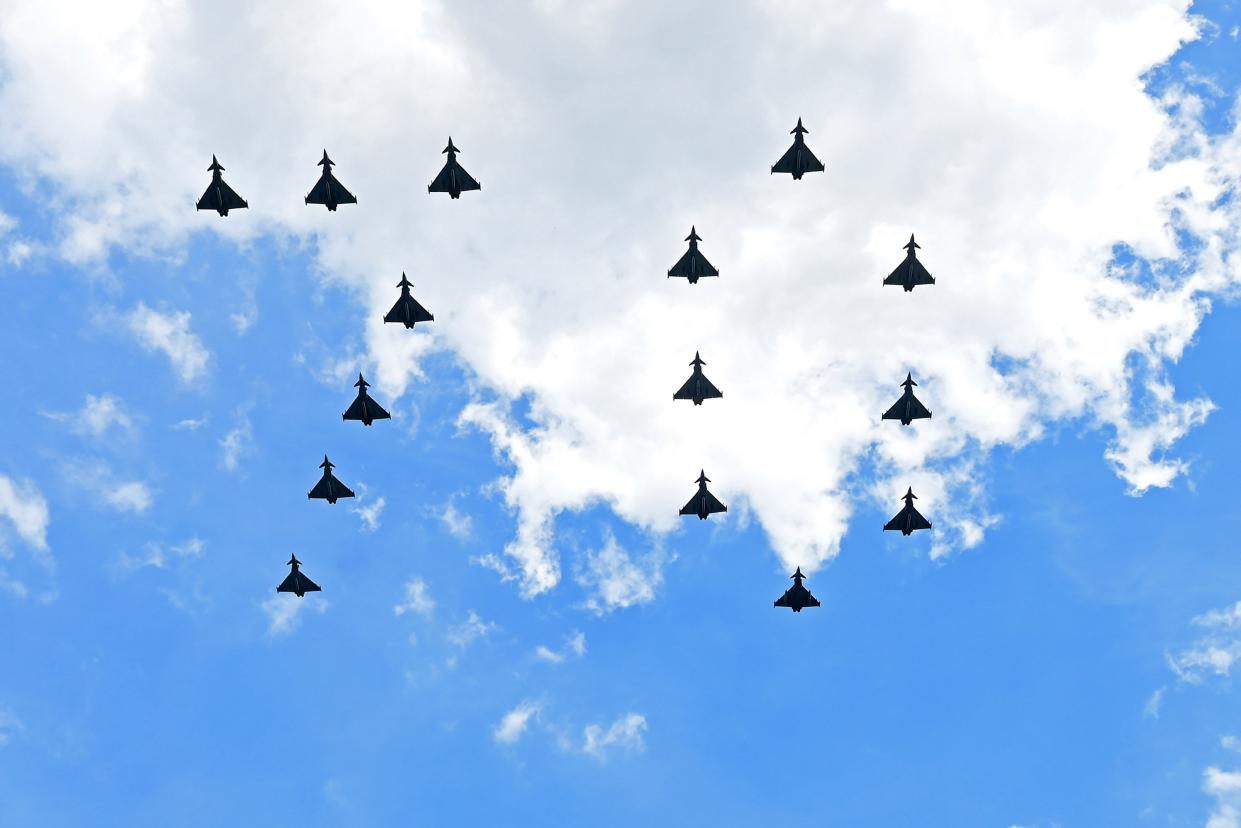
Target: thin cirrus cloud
x=1020, y=162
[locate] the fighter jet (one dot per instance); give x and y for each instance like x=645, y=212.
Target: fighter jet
x=219, y=196
x=329, y=488
x=799, y=159
x=703, y=503
x=909, y=519
x=797, y=597
x=328, y=191
x=693, y=265
x=297, y=582
x=407, y=310
x=910, y=272
x=364, y=408
x=697, y=387
x=453, y=179
x=908, y=408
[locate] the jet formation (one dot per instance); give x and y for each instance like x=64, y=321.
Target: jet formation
x=296, y=581
x=453, y=179
x=799, y=160
x=908, y=408
x=697, y=387
x=327, y=190
x=692, y=266
x=910, y=273
x=363, y=407
x=329, y=488
x=219, y=196
x=407, y=311
x=797, y=597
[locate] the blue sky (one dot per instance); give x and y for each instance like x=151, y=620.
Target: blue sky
x=1059, y=654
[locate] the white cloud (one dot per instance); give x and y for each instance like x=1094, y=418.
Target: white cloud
x=23, y=505
x=190, y=424
x=96, y=416
x=514, y=723
x=236, y=444
x=625, y=733
x=470, y=630
x=617, y=580
x=102, y=484
x=575, y=645
x=1000, y=134
x=1153, y=704
x=170, y=334
x=460, y=525
x=284, y=611
x=1225, y=787
x=417, y=599
x=369, y=513
x=1215, y=652
x=158, y=555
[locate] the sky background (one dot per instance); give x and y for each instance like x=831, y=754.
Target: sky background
x=515, y=625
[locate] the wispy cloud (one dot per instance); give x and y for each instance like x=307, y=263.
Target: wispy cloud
x=24, y=507
x=284, y=612
x=470, y=630
x=236, y=444
x=170, y=334
x=96, y=417
x=369, y=512
x=159, y=555
x=459, y=524
x=574, y=645
x=190, y=424
x=626, y=733
x=514, y=724
x=98, y=479
x=417, y=599
x=1215, y=652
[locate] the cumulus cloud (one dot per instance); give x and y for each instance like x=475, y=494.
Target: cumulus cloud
x=96, y=417
x=170, y=334
x=417, y=599
x=459, y=524
x=369, y=513
x=1018, y=154
x=617, y=580
x=284, y=612
x=514, y=723
x=25, y=509
x=1225, y=787
x=623, y=734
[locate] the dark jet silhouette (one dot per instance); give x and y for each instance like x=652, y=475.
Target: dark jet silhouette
x=909, y=519
x=797, y=597
x=364, y=408
x=693, y=265
x=703, y=503
x=910, y=272
x=407, y=310
x=908, y=408
x=799, y=159
x=697, y=387
x=329, y=488
x=453, y=179
x=219, y=196
x=297, y=582
x=328, y=191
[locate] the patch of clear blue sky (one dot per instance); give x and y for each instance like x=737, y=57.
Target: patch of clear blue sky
x=1005, y=686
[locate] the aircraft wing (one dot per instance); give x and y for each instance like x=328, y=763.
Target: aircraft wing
x=453, y=177
x=231, y=200
x=917, y=521
x=713, y=505
x=897, y=523
x=896, y=411
x=918, y=411
x=783, y=600
x=797, y=159
x=364, y=408
x=708, y=391
x=691, y=508
x=408, y=311
x=897, y=277
x=693, y=265
x=329, y=488
x=686, y=392
x=811, y=601
x=289, y=584
x=321, y=192
x=918, y=274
